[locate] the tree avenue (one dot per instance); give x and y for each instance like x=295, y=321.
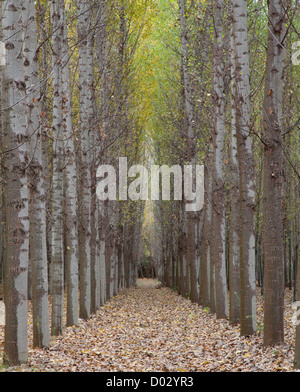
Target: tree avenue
x=96, y=96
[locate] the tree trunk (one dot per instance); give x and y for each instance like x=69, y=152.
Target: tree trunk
x=234, y=248
x=297, y=338
x=218, y=210
x=273, y=178
x=102, y=62
x=192, y=153
x=2, y=197
x=16, y=190
x=204, y=299
x=70, y=182
x=37, y=239
x=246, y=171
x=86, y=80
x=57, y=195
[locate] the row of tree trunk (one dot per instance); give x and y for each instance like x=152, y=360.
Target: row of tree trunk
x=226, y=252
x=59, y=238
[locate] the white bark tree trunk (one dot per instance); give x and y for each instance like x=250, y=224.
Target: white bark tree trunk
x=38, y=247
x=218, y=208
x=86, y=79
x=16, y=190
x=234, y=237
x=246, y=170
x=102, y=60
x=70, y=181
x=58, y=154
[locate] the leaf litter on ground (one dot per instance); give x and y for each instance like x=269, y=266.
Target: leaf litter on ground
x=150, y=328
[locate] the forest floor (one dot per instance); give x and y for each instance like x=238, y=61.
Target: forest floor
x=152, y=329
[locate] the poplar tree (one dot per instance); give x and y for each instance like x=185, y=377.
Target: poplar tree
x=36, y=186
x=16, y=189
x=57, y=261
x=246, y=169
x=218, y=207
x=86, y=113
x=273, y=176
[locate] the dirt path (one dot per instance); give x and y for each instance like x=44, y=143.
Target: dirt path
x=153, y=329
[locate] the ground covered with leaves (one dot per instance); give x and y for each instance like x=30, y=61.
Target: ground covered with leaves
x=149, y=328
